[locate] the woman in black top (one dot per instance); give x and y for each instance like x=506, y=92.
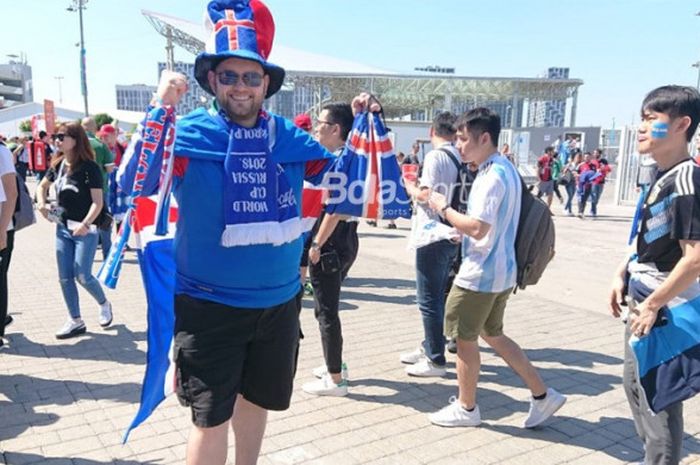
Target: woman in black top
x=78, y=184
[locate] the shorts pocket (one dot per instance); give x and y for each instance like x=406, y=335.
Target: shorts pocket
x=181, y=381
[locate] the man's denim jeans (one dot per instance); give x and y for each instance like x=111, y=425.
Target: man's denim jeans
x=433, y=263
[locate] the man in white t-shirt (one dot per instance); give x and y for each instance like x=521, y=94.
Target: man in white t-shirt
x=486, y=278
x=7, y=234
x=433, y=260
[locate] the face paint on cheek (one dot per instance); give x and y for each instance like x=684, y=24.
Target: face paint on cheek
x=659, y=130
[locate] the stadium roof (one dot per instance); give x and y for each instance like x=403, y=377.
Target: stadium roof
x=400, y=93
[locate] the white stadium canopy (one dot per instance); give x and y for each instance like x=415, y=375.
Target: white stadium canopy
x=400, y=93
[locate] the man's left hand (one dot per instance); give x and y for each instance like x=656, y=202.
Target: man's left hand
x=437, y=201
x=314, y=255
x=643, y=319
x=365, y=102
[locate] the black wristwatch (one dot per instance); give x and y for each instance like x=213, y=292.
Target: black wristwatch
x=314, y=245
x=444, y=209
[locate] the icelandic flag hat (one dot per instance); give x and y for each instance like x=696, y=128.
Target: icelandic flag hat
x=238, y=29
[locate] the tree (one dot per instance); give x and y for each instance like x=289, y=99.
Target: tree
x=102, y=118
x=25, y=126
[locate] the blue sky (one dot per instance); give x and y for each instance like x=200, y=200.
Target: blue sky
x=620, y=48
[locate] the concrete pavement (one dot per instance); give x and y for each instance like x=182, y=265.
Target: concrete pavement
x=69, y=402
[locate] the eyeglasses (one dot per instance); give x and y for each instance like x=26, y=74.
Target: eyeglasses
x=231, y=78
x=60, y=136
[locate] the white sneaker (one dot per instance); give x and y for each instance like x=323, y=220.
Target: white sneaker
x=412, y=357
x=71, y=328
x=456, y=415
x=326, y=387
x=321, y=371
x=540, y=410
x=425, y=368
x=105, y=318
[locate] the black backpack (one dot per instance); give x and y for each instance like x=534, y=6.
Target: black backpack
x=534, y=242
x=463, y=184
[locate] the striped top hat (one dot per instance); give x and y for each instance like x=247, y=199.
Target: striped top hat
x=238, y=29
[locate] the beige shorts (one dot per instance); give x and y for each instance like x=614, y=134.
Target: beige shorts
x=469, y=314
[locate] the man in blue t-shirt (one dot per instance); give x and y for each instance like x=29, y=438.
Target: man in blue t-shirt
x=237, y=178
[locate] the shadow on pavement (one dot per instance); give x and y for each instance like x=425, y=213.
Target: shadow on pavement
x=28, y=397
x=568, y=357
x=614, y=436
x=428, y=398
x=391, y=283
x=381, y=236
x=117, y=344
x=308, y=304
x=18, y=457
x=408, y=299
x=565, y=380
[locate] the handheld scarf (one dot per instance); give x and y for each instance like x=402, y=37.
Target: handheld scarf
x=154, y=137
x=366, y=180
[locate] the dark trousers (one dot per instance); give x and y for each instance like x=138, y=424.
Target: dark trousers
x=22, y=168
x=5, y=256
x=583, y=196
x=353, y=245
x=557, y=192
x=326, y=285
x=661, y=434
x=326, y=302
x=596, y=194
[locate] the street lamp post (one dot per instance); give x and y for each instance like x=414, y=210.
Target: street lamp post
x=60, y=93
x=79, y=6
x=697, y=65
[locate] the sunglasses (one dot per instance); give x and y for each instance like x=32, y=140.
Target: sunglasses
x=60, y=136
x=231, y=78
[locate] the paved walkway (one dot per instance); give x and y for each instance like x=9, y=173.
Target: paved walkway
x=69, y=402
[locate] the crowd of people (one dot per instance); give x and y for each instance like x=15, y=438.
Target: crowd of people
x=582, y=174
x=237, y=297
x=72, y=168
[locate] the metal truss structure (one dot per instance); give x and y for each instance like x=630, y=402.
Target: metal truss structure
x=400, y=94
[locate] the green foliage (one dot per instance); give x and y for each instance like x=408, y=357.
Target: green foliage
x=102, y=118
x=25, y=126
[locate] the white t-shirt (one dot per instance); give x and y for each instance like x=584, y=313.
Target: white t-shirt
x=488, y=264
x=439, y=174
x=6, y=166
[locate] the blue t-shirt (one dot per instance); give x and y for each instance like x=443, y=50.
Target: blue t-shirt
x=255, y=276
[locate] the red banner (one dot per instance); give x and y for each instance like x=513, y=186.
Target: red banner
x=38, y=156
x=49, y=116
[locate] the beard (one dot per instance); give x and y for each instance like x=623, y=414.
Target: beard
x=243, y=112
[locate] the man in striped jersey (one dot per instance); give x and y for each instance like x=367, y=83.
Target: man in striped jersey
x=662, y=337
x=487, y=275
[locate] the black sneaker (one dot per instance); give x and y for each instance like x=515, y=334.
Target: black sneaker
x=8, y=320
